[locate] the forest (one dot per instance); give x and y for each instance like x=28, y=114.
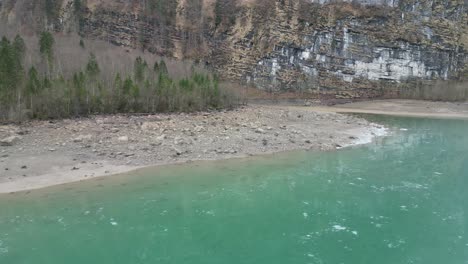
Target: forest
x=43, y=91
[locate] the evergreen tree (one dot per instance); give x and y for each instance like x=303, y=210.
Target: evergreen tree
x=92, y=68
x=163, y=67
x=127, y=86
x=19, y=48
x=33, y=86
x=156, y=67
x=82, y=45
x=46, y=47
x=139, y=69
x=7, y=70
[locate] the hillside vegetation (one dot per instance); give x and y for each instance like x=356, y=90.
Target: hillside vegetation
x=40, y=78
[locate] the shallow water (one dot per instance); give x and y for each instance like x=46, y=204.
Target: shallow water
x=403, y=199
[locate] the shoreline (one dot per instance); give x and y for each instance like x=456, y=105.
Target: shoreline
x=52, y=153
x=403, y=108
x=44, y=181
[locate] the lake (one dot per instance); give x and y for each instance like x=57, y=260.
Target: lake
x=401, y=199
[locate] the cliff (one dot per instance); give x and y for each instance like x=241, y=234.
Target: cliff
x=344, y=49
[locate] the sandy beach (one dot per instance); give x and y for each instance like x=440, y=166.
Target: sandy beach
x=397, y=107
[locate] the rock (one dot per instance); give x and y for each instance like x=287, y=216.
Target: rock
x=161, y=137
x=123, y=139
x=177, y=151
x=179, y=141
x=264, y=142
x=259, y=131
x=10, y=141
x=157, y=143
x=199, y=129
x=24, y=167
x=146, y=126
x=82, y=138
x=307, y=141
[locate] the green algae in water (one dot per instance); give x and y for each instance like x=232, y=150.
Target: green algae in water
x=402, y=199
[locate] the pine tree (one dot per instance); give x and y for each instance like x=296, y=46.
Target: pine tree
x=156, y=67
x=7, y=71
x=163, y=67
x=139, y=69
x=46, y=47
x=92, y=68
x=82, y=45
x=33, y=86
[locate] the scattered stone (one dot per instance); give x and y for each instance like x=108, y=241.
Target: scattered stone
x=82, y=138
x=24, y=167
x=264, y=142
x=155, y=144
x=179, y=141
x=199, y=129
x=123, y=139
x=161, y=137
x=259, y=131
x=10, y=141
x=177, y=151
x=75, y=168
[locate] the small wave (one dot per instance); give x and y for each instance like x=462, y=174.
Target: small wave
x=3, y=249
x=337, y=228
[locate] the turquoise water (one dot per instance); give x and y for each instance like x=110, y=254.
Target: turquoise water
x=403, y=199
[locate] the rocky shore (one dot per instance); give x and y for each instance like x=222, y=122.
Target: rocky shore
x=43, y=153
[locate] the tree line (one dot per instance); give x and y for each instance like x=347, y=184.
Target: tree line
x=42, y=94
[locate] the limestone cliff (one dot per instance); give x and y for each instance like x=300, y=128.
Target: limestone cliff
x=359, y=48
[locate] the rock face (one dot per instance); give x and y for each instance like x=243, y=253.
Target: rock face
x=345, y=49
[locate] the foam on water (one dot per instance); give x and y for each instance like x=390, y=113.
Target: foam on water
x=368, y=135
x=3, y=249
x=337, y=228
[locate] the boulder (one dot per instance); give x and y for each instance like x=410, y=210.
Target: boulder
x=10, y=141
x=82, y=138
x=123, y=139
